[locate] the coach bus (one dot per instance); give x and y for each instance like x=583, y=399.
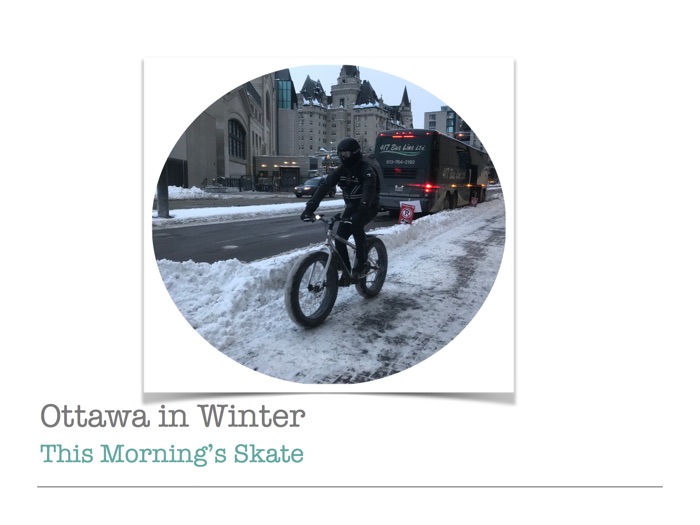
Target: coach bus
x=429, y=167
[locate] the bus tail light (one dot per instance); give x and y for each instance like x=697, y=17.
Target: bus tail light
x=426, y=188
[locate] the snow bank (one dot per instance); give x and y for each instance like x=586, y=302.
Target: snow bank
x=239, y=307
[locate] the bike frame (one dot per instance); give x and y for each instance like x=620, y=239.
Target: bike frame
x=331, y=237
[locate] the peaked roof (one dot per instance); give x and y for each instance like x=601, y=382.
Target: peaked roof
x=367, y=95
x=312, y=89
x=404, y=100
x=351, y=71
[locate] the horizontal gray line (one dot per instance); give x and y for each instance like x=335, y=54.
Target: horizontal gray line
x=349, y=486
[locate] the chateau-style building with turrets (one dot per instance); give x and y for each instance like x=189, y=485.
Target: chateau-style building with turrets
x=352, y=109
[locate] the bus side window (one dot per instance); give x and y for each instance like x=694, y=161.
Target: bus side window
x=464, y=158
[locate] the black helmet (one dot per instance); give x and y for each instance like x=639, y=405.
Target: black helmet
x=349, y=152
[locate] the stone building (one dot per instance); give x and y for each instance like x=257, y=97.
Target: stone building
x=219, y=147
x=264, y=135
x=352, y=109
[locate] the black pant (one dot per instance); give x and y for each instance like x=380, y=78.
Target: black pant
x=357, y=230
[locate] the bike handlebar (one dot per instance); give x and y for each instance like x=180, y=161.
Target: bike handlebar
x=320, y=217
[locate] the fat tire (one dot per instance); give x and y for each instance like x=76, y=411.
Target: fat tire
x=370, y=285
x=295, y=290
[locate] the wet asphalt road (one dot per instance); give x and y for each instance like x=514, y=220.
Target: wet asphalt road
x=248, y=240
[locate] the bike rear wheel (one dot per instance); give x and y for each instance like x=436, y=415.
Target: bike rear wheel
x=309, y=292
x=370, y=285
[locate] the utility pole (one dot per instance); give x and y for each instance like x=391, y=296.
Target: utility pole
x=162, y=196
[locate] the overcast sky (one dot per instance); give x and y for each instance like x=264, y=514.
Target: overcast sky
x=387, y=86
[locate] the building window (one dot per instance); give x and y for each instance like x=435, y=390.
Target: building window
x=284, y=94
x=236, y=139
x=450, y=123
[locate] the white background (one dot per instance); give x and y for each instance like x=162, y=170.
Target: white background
x=605, y=261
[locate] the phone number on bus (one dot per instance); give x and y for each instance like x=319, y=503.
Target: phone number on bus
x=404, y=162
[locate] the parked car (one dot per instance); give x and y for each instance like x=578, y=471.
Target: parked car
x=308, y=187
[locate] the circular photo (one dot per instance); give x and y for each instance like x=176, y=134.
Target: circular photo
x=329, y=224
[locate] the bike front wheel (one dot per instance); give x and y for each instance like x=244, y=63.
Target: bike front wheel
x=310, y=293
x=371, y=284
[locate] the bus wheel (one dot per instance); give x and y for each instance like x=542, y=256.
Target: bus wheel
x=453, y=201
x=447, y=203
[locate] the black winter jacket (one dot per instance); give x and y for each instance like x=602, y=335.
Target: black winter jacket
x=360, y=184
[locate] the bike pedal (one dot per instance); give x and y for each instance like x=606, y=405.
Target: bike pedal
x=364, y=272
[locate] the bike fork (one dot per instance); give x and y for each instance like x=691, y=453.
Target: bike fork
x=328, y=261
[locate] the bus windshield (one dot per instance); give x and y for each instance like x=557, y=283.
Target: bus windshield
x=401, y=154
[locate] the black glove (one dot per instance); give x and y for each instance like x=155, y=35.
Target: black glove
x=308, y=213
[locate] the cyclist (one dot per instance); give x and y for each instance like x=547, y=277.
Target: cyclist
x=358, y=176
